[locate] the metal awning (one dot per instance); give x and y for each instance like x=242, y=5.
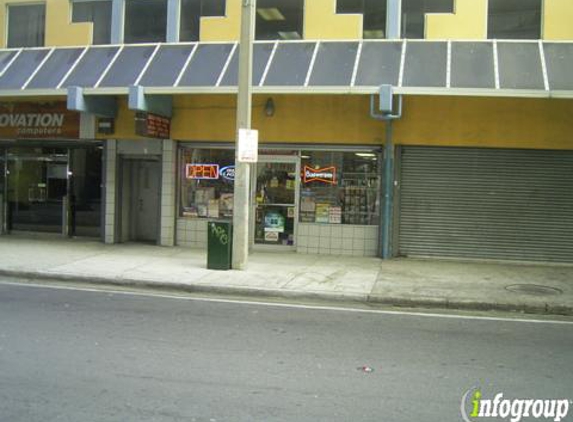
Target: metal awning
x=482, y=68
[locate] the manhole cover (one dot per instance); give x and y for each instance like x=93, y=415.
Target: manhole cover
x=534, y=289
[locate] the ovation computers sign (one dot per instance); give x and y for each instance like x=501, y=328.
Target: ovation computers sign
x=38, y=121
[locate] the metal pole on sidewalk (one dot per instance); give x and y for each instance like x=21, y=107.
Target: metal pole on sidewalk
x=242, y=170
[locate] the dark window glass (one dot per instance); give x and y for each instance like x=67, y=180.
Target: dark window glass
x=85, y=191
x=279, y=19
x=514, y=19
x=97, y=12
x=414, y=15
x=145, y=21
x=26, y=25
x=374, y=12
x=191, y=13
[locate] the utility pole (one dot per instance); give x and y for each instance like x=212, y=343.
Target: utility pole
x=241, y=197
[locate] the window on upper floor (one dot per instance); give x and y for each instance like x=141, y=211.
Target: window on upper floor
x=279, y=19
x=26, y=25
x=97, y=12
x=191, y=13
x=145, y=21
x=514, y=19
x=414, y=15
x=374, y=15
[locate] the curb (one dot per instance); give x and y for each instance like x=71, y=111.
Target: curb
x=420, y=302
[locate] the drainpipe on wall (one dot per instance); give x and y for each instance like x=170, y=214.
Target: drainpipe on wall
x=386, y=113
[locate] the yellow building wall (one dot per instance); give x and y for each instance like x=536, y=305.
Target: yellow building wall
x=558, y=19
x=59, y=29
x=226, y=28
x=469, y=21
x=315, y=119
x=322, y=23
x=334, y=119
x=486, y=122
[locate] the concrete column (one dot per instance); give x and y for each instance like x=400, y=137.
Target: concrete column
x=117, y=21
x=87, y=126
x=242, y=170
x=173, y=20
x=393, y=19
x=110, y=172
x=168, y=183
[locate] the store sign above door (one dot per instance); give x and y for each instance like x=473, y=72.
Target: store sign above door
x=324, y=175
x=38, y=121
x=152, y=125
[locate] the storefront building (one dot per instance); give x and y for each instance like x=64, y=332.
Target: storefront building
x=481, y=154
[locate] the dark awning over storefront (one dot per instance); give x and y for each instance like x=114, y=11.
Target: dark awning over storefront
x=488, y=68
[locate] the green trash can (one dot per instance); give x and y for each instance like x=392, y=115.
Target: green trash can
x=219, y=245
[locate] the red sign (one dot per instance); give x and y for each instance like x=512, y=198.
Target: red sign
x=152, y=125
x=38, y=121
x=324, y=175
x=202, y=171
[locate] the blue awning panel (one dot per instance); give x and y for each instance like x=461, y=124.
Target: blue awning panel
x=488, y=68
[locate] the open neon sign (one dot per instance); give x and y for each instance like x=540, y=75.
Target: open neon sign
x=202, y=171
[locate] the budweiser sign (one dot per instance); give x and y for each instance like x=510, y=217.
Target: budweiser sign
x=324, y=175
x=33, y=121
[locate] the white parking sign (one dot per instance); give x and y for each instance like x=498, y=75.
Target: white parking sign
x=248, y=145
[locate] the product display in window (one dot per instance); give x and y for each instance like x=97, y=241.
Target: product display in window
x=339, y=188
x=207, y=178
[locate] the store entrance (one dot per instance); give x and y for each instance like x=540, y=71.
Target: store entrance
x=276, y=201
x=37, y=186
x=140, y=200
x=52, y=190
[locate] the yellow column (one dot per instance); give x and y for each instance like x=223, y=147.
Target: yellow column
x=469, y=22
x=227, y=28
x=322, y=23
x=557, y=20
x=59, y=29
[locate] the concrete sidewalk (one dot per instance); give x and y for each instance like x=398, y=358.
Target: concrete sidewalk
x=401, y=282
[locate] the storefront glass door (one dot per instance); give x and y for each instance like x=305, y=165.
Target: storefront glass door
x=276, y=201
x=37, y=185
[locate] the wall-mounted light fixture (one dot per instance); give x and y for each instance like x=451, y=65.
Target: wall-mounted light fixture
x=270, y=108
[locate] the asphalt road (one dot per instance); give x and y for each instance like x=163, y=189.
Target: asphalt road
x=82, y=356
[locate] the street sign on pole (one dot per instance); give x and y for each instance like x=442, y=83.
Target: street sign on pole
x=248, y=146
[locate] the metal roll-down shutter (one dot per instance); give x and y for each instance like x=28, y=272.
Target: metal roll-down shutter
x=486, y=203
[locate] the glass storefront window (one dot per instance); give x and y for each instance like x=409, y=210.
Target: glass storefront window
x=414, y=15
x=374, y=15
x=85, y=191
x=37, y=185
x=145, y=21
x=2, y=188
x=279, y=20
x=26, y=25
x=99, y=13
x=339, y=188
x=207, y=177
x=514, y=19
x=191, y=13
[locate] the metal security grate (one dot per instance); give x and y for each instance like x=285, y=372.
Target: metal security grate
x=487, y=203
